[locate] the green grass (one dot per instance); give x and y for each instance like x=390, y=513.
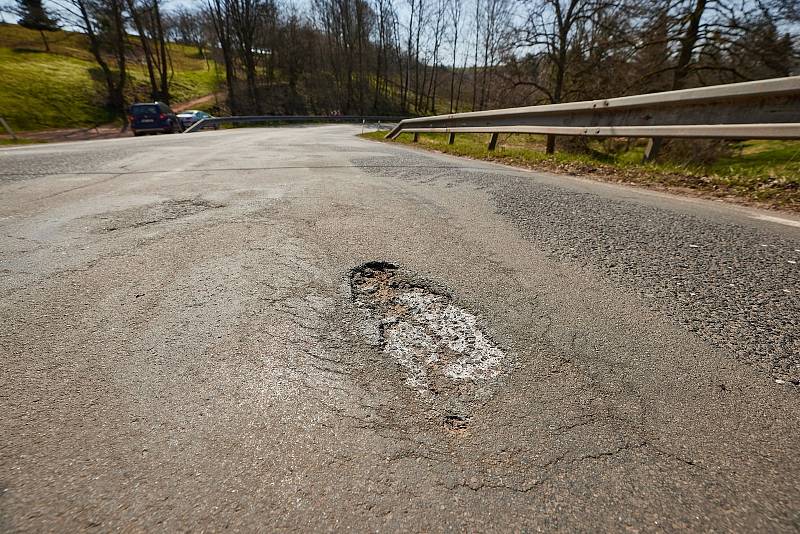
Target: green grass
x=62, y=89
x=764, y=172
x=189, y=84
x=19, y=142
x=47, y=91
x=62, y=43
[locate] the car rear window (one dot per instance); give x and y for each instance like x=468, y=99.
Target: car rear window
x=144, y=110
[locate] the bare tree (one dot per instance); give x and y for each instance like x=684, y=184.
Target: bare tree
x=103, y=24
x=421, y=5
x=246, y=18
x=688, y=42
x=477, y=21
x=456, y=8
x=496, y=31
x=189, y=27
x=149, y=24
x=357, y=56
x=221, y=22
x=438, y=36
x=553, y=30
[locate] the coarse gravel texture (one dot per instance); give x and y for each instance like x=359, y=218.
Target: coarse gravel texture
x=733, y=285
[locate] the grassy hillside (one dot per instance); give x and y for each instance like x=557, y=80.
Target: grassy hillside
x=63, y=88
x=764, y=172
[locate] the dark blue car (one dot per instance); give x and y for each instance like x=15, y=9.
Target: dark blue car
x=154, y=117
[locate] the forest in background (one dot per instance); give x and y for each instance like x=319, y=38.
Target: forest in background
x=427, y=56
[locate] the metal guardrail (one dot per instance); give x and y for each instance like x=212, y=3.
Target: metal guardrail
x=765, y=109
x=244, y=119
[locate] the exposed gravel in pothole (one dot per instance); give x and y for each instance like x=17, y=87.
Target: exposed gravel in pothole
x=439, y=345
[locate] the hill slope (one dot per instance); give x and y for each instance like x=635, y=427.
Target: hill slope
x=62, y=88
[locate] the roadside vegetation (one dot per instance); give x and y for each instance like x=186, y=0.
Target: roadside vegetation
x=19, y=141
x=760, y=172
x=63, y=88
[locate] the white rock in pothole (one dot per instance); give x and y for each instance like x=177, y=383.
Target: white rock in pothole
x=435, y=336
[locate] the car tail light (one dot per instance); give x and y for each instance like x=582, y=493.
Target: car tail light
x=162, y=116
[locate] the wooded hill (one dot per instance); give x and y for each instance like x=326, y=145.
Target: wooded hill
x=63, y=88
x=434, y=56
x=413, y=56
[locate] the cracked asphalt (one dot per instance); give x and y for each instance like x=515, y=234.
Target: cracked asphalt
x=182, y=349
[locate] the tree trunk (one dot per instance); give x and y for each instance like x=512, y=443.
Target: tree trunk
x=461, y=82
x=561, y=70
x=148, y=54
x=420, y=18
x=220, y=21
x=162, y=50
x=119, y=34
x=456, y=21
x=688, y=43
x=381, y=26
x=406, y=82
x=475, y=59
x=44, y=40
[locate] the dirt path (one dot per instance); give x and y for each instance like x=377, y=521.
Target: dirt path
x=198, y=101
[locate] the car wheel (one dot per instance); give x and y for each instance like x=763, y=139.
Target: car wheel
x=137, y=134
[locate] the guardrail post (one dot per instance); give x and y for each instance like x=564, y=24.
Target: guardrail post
x=451, y=138
x=651, y=151
x=416, y=137
x=8, y=129
x=493, y=141
x=551, y=144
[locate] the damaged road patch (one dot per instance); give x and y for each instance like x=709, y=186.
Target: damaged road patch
x=443, y=352
x=168, y=210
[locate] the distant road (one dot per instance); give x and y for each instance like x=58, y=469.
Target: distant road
x=296, y=329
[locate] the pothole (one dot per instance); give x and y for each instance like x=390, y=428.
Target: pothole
x=443, y=352
x=154, y=213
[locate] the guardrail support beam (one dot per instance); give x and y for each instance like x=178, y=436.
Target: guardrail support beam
x=551, y=144
x=451, y=138
x=651, y=151
x=416, y=137
x=493, y=141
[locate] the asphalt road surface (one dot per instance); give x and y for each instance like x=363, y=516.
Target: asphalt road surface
x=296, y=329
